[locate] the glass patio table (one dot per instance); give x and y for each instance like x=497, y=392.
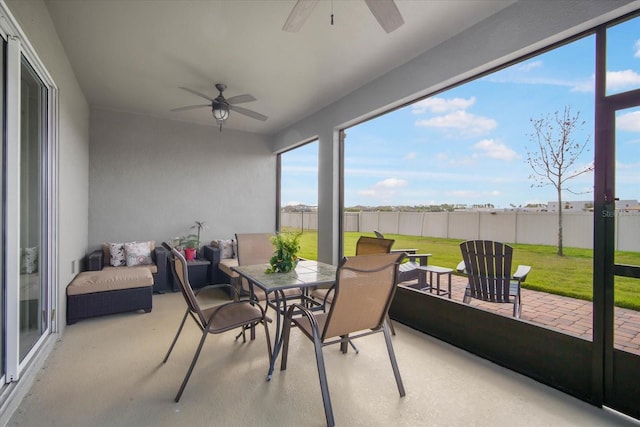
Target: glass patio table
x=307, y=274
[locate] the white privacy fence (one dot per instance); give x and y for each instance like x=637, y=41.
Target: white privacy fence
x=540, y=228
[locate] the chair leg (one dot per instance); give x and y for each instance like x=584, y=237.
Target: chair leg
x=393, y=330
x=322, y=375
x=285, y=344
x=268, y=338
x=242, y=334
x=392, y=358
x=353, y=346
x=467, y=296
x=517, y=307
x=175, y=339
x=343, y=344
x=205, y=332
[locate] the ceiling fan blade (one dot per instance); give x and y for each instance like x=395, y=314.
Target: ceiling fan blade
x=191, y=107
x=249, y=113
x=387, y=14
x=299, y=15
x=202, y=95
x=239, y=99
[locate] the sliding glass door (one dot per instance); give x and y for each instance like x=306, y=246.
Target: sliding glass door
x=33, y=286
x=28, y=113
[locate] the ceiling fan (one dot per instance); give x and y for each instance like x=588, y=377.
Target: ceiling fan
x=220, y=106
x=385, y=11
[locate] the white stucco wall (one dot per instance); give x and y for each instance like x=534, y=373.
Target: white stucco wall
x=151, y=179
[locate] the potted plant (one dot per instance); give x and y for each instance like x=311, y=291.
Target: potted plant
x=285, y=256
x=199, y=226
x=190, y=243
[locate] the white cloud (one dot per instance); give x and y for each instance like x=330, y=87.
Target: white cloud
x=390, y=183
x=627, y=166
x=637, y=49
x=410, y=156
x=586, y=85
x=616, y=80
x=461, y=120
x=441, y=105
x=442, y=157
x=622, y=79
x=530, y=65
x=384, y=190
x=629, y=121
x=495, y=150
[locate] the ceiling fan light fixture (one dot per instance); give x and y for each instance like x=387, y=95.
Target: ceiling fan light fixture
x=221, y=107
x=220, y=113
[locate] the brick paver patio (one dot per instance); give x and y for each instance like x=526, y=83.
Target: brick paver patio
x=569, y=315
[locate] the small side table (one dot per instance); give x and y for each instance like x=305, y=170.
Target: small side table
x=198, y=270
x=438, y=271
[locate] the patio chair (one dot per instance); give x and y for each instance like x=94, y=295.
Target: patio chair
x=253, y=248
x=365, y=286
x=214, y=319
x=408, y=270
x=364, y=246
x=487, y=265
x=256, y=248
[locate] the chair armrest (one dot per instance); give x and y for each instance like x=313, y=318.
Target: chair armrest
x=230, y=289
x=95, y=260
x=461, y=268
x=408, y=251
x=521, y=273
x=422, y=259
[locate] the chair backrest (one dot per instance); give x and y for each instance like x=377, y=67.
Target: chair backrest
x=364, y=288
x=254, y=248
x=181, y=273
x=488, y=267
x=373, y=245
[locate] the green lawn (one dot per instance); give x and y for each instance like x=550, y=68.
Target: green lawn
x=570, y=275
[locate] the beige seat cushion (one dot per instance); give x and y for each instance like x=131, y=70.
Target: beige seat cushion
x=110, y=279
x=226, y=264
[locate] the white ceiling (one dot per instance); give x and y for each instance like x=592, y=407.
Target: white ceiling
x=134, y=55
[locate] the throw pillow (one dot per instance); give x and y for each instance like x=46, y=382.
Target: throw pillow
x=117, y=254
x=29, y=260
x=226, y=248
x=138, y=253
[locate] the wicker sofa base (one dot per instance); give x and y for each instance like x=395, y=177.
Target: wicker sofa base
x=95, y=304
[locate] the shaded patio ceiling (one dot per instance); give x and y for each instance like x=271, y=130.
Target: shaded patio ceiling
x=134, y=55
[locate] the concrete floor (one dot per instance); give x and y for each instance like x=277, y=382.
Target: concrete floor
x=109, y=372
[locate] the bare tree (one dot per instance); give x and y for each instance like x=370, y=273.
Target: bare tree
x=554, y=163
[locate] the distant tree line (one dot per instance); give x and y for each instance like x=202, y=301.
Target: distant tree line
x=385, y=208
x=416, y=208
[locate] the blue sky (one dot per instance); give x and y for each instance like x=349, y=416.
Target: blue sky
x=468, y=145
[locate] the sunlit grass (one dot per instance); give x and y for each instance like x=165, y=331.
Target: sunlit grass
x=570, y=275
